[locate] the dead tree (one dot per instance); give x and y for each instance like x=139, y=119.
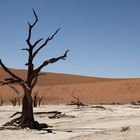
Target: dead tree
x=13, y=101
x=18, y=101
x=77, y=102
x=1, y=102
x=40, y=100
x=35, y=98
x=27, y=117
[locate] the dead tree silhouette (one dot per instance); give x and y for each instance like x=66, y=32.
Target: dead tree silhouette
x=40, y=99
x=37, y=100
x=13, y=101
x=77, y=101
x=1, y=101
x=27, y=117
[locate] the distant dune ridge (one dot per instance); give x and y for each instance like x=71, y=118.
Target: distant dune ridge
x=59, y=88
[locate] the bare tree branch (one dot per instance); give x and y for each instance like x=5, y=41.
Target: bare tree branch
x=9, y=82
x=15, y=89
x=54, y=34
x=25, y=49
x=50, y=61
x=76, y=98
x=36, y=79
x=31, y=47
x=30, y=29
x=37, y=42
x=9, y=79
x=9, y=72
x=45, y=43
x=35, y=17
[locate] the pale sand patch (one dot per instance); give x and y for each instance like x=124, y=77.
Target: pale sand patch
x=88, y=124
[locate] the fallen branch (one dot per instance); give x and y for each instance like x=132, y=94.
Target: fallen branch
x=14, y=122
x=9, y=128
x=135, y=103
x=57, y=116
x=52, y=114
x=38, y=113
x=98, y=106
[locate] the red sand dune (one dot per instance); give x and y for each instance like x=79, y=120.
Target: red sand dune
x=59, y=88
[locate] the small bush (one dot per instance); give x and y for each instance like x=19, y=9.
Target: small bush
x=123, y=129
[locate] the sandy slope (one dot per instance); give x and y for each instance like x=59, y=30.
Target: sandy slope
x=59, y=88
x=88, y=123
x=56, y=79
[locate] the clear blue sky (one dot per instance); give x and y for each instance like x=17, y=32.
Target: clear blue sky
x=103, y=35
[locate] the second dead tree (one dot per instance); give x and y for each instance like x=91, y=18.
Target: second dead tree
x=77, y=101
x=13, y=101
x=1, y=101
x=36, y=99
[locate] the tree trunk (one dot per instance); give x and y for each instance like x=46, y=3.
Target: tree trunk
x=27, y=118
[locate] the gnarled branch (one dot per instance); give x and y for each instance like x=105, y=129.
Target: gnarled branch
x=36, y=79
x=50, y=61
x=9, y=72
x=9, y=82
x=25, y=49
x=15, y=89
x=37, y=42
x=45, y=43
x=30, y=29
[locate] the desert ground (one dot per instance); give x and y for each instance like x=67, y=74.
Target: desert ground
x=113, y=122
